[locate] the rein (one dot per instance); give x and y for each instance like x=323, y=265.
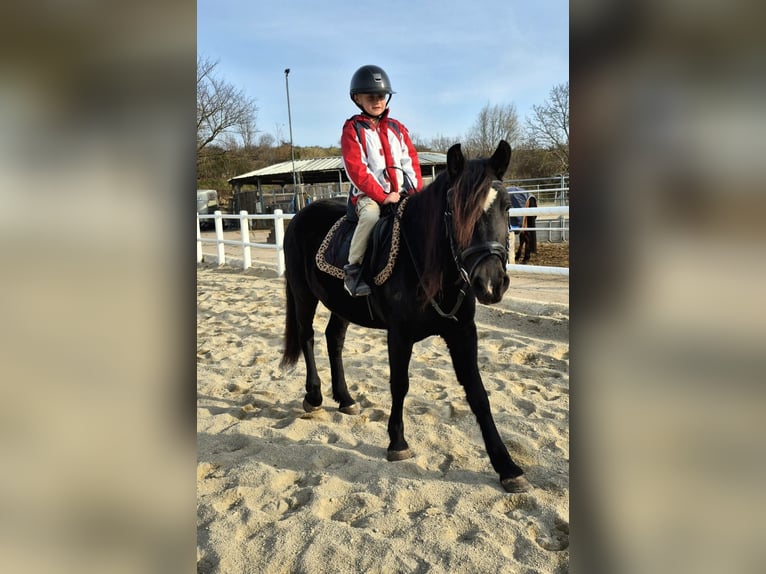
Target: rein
x=431, y=300
x=486, y=249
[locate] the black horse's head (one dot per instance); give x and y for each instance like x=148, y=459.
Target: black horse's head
x=479, y=205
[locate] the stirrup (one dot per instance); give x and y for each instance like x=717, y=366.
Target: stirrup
x=353, y=282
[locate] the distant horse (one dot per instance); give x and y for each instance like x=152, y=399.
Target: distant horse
x=524, y=226
x=453, y=234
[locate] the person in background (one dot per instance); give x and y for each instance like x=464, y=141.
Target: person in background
x=380, y=161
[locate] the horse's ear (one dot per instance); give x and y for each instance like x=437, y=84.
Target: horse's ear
x=455, y=161
x=500, y=160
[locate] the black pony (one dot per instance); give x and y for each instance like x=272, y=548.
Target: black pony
x=453, y=235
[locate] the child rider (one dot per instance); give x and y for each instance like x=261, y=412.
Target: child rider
x=380, y=161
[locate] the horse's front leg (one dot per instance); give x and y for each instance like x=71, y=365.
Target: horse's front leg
x=463, y=348
x=399, y=353
x=335, y=335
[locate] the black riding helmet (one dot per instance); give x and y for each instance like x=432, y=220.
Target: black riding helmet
x=370, y=80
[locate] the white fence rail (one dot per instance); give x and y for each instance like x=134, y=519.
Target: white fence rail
x=244, y=217
x=279, y=233
x=560, y=210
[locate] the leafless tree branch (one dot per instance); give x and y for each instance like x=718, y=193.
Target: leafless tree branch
x=222, y=109
x=548, y=126
x=494, y=123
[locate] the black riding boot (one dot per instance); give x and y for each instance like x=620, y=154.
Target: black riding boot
x=353, y=281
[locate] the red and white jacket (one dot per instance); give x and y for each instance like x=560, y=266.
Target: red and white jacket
x=379, y=160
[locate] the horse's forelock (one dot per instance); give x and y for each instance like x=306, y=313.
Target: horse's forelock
x=467, y=202
x=469, y=196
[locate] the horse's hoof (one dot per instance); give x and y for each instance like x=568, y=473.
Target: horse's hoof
x=352, y=409
x=309, y=408
x=516, y=484
x=393, y=455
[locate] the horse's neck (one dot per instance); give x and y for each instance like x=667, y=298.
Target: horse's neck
x=423, y=210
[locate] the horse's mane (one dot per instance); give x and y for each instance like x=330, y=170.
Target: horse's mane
x=467, y=202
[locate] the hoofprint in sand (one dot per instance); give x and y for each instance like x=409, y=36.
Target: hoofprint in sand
x=281, y=490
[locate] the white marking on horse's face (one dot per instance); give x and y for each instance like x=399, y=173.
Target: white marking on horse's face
x=491, y=197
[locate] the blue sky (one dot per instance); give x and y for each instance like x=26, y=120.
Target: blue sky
x=446, y=59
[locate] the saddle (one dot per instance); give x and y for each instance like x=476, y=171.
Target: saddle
x=382, y=250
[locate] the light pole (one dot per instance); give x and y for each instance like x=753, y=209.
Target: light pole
x=296, y=195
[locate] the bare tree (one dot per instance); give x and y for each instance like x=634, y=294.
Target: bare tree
x=494, y=123
x=441, y=143
x=221, y=108
x=247, y=133
x=266, y=140
x=418, y=141
x=548, y=127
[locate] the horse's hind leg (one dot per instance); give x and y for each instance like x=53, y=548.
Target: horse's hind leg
x=336, y=336
x=305, y=319
x=527, y=248
x=531, y=236
x=524, y=245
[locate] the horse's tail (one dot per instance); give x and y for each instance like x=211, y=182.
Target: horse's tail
x=292, y=349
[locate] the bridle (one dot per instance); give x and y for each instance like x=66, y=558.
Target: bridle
x=483, y=250
x=478, y=253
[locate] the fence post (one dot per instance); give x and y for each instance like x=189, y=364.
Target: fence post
x=563, y=202
x=243, y=224
x=279, y=240
x=199, y=243
x=219, y=237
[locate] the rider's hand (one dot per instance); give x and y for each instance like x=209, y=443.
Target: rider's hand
x=392, y=197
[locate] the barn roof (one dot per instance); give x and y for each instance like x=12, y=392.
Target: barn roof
x=322, y=170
